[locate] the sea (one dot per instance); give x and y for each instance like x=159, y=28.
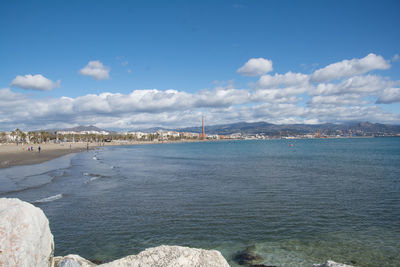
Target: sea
x=291, y=202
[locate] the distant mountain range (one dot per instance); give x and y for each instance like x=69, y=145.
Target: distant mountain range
x=84, y=128
x=363, y=128
x=277, y=129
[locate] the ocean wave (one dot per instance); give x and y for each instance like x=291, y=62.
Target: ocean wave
x=93, y=176
x=49, y=199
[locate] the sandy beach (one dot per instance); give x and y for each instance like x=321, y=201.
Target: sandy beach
x=13, y=155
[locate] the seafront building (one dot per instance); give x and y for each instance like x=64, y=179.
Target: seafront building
x=17, y=136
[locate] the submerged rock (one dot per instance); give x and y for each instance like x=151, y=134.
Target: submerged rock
x=25, y=237
x=172, y=256
x=73, y=258
x=95, y=261
x=247, y=256
x=68, y=263
x=331, y=264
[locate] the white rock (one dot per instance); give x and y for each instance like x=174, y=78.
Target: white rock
x=25, y=237
x=74, y=258
x=171, y=256
x=331, y=264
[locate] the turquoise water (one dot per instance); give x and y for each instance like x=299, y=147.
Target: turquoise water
x=321, y=199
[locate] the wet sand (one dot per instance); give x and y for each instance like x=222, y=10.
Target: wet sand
x=12, y=155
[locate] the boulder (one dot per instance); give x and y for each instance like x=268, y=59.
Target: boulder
x=331, y=264
x=25, y=237
x=172, y=256
x=72, y=259
x=247, y=256
x=68, y=263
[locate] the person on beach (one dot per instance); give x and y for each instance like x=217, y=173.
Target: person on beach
x=39, y=149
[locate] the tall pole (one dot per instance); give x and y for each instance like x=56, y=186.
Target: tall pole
x=204, y=134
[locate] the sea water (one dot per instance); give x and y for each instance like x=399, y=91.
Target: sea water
x=316, y=200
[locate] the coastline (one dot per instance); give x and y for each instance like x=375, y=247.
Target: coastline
x=13, y=155
x=18, y=155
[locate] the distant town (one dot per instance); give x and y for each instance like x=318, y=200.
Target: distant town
x=246, y=131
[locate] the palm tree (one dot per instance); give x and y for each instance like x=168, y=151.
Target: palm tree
x=23, y=137
x=3, y=137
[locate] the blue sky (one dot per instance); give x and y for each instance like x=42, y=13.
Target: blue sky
x=195, y=48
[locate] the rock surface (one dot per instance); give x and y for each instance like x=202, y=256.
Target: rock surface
x=331, y=264
x=68, y=263
x=73, y=258
x=26, y=240
x=25, y=237
x=172, y=256
x=247, y=256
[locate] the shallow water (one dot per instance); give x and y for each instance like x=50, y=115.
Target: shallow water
x=333, y=199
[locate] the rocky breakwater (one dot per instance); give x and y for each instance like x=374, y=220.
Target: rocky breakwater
x=26, y=240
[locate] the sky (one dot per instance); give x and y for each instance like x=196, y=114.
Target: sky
x=128, y=65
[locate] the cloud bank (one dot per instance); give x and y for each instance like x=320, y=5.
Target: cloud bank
x=352, y=93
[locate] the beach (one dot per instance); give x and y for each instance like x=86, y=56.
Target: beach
x=16, y=155
x=13, y=155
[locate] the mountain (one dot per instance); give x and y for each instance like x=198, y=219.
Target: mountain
x=361, y=128
x=84, y=128
x=252, y=128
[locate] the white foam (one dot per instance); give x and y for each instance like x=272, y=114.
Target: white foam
x=49, y=199
x=92, y=178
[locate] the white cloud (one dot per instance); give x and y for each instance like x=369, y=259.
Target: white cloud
x=396, y=57
x=347, y=68
x=96, y=70
x=337, y=100
x=34, y=82
x=389, y=95
x=287, y=79
x=278, y=98
x=256, y=67
x=363, y=85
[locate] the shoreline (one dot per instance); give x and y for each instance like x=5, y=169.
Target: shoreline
x=13, y=155
x=19, y=155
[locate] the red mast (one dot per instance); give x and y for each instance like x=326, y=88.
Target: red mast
x=203, y=136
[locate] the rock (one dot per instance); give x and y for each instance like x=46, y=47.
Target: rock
x=247, y=256
x=96, y=261
x=331, y=264
x=25, y=237
x=73, y=258
x=68, y=263
x=172, y=256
